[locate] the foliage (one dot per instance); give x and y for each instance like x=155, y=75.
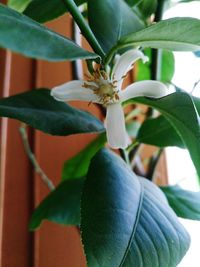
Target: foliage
x=125, y=220
x=38, y=109
x=185, y=203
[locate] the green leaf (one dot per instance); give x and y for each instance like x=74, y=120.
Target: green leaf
x=167, y=68
x=109, y=210
x=167, y=65
x=186, y=204
x=39, y=109
x=181, y=112
x=180, y=34
x=77, y=166
x=143, y=70
x=23, y=35
x=197, y=103
x=185, y=1
x=46, y=10
x=132, y=2
x=147, y=7
x=61, y=206
x=126, y=221
x=160, y=239
x=159, y=132
x=111, y=19
x=18, y=5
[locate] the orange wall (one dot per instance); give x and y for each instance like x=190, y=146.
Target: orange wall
x=21, y=189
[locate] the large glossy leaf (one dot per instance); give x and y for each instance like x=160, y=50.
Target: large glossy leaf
x=132, y=2
x=46, y=10
x=39, y=109
x=23, y=35
x=181, y=34
x=159, y=132
x=18, y=5
x=126, y=221
x=186, y=204
x=181, y=112
x=109, y=210
x=61, y=206
x=160, y=239
x=197, y=103
x=78, y=165
x=111, y=19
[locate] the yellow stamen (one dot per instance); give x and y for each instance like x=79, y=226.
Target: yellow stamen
x=103, y=88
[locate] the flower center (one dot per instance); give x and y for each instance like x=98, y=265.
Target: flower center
x=100, y=84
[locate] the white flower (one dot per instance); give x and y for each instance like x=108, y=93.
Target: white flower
x=106, y=89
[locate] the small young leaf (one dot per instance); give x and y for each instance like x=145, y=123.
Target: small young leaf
x=167, y=65
x=126, y=221
x=111, y=19
x=61, y=206
x=143, y=71
x=18, y=5
x=41, y=111
x=77, y=166
x=186, y=204
x=23, y=35
x=159, y=132
x=180, y=34
x=46, y=10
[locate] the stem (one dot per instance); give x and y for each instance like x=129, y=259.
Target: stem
x=132, y=146
x=32, y=158
x=85, y=29
x=110, y=55
x=153, y=164
x=157, y=53
x=77, y=69
x=124, y=155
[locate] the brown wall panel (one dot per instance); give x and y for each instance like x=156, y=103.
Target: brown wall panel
x=60, y=245
x=16, y=174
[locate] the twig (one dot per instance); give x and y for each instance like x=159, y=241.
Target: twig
x=32, y=158
x=153, y=164
x=135, y=153
x=194, y=87
x=139, y=167
x=77, y=64
x=84, y=27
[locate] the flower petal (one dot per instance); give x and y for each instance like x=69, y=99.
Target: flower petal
x=73, y=90
x=125, y=63
x=153, y=89
x=115, y=126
